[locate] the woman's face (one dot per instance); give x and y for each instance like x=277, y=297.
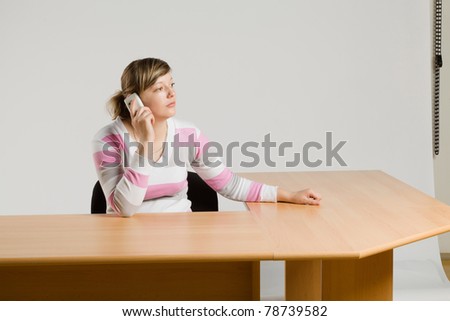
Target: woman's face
x=161, y=98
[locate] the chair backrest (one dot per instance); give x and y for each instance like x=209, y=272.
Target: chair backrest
x=98, y=200
x=201, y=195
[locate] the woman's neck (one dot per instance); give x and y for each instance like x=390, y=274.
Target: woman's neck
x=160, y=128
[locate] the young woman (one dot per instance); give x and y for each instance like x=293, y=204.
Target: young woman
x=143, y=155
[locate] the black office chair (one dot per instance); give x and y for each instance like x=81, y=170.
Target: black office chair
x=201, y=195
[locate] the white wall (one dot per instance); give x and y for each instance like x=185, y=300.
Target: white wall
x=296, y=69
x=442, y=161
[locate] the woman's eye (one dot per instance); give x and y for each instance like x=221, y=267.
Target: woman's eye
x=172, y=84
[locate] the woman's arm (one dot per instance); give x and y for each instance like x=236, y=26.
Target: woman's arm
x=124, y=181
x=238, y=188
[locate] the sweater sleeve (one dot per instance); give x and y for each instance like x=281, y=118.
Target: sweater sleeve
x=123, y=175
x=222, y=179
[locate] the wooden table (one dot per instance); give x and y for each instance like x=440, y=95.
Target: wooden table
x=343, y=249
x=340, y=250
x=171, y=256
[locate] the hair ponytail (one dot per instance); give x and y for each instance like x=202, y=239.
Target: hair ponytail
x=117, y=106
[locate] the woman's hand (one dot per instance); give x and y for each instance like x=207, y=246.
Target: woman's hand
x=306, y=197
x=142, y=121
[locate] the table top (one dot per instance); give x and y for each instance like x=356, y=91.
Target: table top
x=362, y=213
x=99, y=238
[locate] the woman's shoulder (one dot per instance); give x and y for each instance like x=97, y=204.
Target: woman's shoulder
x=112, y=129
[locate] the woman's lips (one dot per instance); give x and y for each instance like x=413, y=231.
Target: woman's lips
x=173, y=104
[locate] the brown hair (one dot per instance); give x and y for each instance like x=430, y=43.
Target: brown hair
x=137, y=77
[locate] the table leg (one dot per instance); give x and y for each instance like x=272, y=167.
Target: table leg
x=304, y=280
x=368, y=278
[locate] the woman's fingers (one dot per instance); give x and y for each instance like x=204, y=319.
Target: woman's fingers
x=311, y=198
x=143, y=113
x=142, y=122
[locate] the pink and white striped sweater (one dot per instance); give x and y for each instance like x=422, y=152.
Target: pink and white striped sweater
x=133, y=184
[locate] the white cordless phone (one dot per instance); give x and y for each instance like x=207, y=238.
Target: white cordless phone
x=132, y=97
